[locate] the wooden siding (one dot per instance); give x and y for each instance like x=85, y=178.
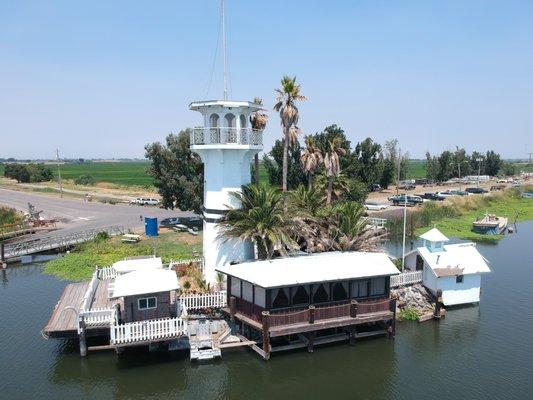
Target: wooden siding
x=131, y=313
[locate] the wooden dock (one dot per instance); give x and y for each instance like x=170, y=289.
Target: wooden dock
x=64, y=319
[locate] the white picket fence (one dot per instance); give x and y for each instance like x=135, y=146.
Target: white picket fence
x=99, y=316
x=205, y=300
x=406, y=278
x=106, y=273
x=89, y=293
x=377, y=222
x=142, y=331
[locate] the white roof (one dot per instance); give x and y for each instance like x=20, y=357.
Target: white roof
x=196, y=105
x=434, y=235
x=321, y=267
x=145, y=282
x=459, y=259
x=125, y=266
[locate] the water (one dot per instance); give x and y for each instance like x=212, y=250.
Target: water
x=481, y=352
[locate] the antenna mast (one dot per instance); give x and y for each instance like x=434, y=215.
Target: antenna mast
x=224, y=50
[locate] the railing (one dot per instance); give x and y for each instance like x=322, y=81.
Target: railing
x=406, y=278
x=89, y=293
x=99, y=317
x=54, y=242
x=106, y=273
x=251, y=310
x=155, y=329
x=203, y=301
x=344, y=309
x=378, y=222
x=224, y=135
x=175, y=263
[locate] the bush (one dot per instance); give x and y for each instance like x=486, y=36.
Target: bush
x=85, y=180
x=101, y=236
x=186, y=285
x=27, y=173
x=409, y=314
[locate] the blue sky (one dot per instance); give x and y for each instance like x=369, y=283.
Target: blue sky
x=101, y=78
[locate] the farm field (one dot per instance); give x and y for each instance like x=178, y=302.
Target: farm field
x=120, y=173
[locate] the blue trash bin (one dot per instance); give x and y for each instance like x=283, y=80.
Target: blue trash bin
x=150, y=226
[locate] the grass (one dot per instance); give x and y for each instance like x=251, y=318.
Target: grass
x=79, y=264
x=416, y=169
x=454, y=218
x=128, y=173
x=9, y=216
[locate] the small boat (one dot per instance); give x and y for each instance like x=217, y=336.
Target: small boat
x=490, y=224
x=527, y=195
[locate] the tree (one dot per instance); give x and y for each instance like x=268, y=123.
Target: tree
x=261, y=220
x=258, y=119
x=85, y=180
x=332, y=163
x=368, y=153
x=286, y=99
x=322, y=139
x=178, y=173
x=432, y=167
x=508, y=169
x=389, y=168
x=311, y=159
x=493, y=163
x=273, y=163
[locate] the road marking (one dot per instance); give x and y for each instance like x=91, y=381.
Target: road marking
x=85, y=218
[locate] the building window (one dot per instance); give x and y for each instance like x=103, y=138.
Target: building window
x=377, y=287
x=230, y=120
x=459, y=279
x=339, y=291
x=280, y=298
x=360, y=288
x=321, y=295
x=235, y=287
x=242, y=119
x=147, y=303
x=300, y=296
x=247, y=291
x=213, y=120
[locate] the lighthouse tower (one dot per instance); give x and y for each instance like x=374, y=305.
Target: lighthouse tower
x=226, y=143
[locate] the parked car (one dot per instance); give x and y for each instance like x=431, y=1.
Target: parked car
x=376, y=187
x=497, y=187
x=400, y=200
x=194, y=223
x=459, y=193
x=431, y=196
x=445, y=194
x=145, y=201
x=375, y=206
x=406, y=185
x=476, y=190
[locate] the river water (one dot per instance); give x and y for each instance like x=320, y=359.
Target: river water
x=483, y=352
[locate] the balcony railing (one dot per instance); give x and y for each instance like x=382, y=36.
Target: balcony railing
x=207, y=135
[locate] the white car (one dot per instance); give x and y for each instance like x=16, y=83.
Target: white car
x=145, y=201
x=375, y=206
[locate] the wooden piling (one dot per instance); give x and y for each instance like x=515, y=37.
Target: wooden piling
x=438, y=301
x=83, y=343
x=311, y=341
x=232, y=308
x=311, y=314
x=266, y=335
x=3, y=262
x=353, y=308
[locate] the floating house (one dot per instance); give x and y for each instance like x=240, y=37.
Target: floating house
x=313, y=299
x=455, y=269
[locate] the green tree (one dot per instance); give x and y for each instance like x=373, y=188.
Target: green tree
x=178, y=173
x=261, y=220
x=493, y=163
x=273, y=163
x=368, y=153
x=287, y=96
x=508, y=169
x=332, y=164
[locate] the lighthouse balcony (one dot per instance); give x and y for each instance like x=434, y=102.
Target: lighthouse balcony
x=226, y=136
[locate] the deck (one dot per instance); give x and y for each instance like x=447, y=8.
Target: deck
x=64, y=319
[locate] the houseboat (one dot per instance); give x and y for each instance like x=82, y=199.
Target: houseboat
x=490, y=224
x=308, y=300
x=454, y=269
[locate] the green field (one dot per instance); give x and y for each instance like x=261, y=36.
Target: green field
x=120, y=173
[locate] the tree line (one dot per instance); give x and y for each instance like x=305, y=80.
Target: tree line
x=28, y=173
x=458, y=163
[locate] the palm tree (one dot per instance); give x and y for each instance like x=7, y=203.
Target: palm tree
x=261, y=219
x=258, y=119
x=350, y=230
x=311, y=159
x=286, y=99
x=332, y=163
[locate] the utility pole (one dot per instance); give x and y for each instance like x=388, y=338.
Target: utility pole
x=59, y=174
x=478, y=169
x=399, y=163
x=529, y=162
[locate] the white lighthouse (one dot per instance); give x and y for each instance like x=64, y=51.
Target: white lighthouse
x=227, y=144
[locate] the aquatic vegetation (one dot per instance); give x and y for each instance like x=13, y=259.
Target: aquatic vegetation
x=408, y=314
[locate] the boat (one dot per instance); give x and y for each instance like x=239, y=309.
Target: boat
x=490, y=224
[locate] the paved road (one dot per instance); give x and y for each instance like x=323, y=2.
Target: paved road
x=77, y=215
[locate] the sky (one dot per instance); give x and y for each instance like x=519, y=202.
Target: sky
x=101, y=79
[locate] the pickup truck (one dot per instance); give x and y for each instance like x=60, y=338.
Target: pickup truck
x=411, y=200
x=145, y=201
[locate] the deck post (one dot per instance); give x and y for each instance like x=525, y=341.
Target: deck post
x=311, y=314
x=438, y=300
x=266, y=335
x=3, y=262
x=83, y=343
x=232, y=308
x=353, y=308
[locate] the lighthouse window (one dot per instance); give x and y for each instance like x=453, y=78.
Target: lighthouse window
x=213, y=120
x=230, y=120
x=243, y=121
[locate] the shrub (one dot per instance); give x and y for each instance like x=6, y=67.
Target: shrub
x=28, y=172
x=101, y=236
x=409, y=314
x=186, y=285
x=85, y=180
